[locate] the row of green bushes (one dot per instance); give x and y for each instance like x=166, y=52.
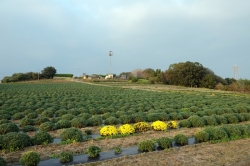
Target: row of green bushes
x=13, y=141
x=118, y=111
x=224, y=132
x=214, y=120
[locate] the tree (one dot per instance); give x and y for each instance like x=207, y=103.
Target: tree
x=186, y=74
x=147, y=73
x=137, y=73
x=48, y=72
x=208, y=81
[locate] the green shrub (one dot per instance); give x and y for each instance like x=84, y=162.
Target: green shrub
x=181, y=139
x=196, y=121
x=111, y=121
x=175, y=116
x=14, y=141
x=30, y=159
x=3, y=121
x=55, y=120
x=210, y=121
x=216, y=133
x=228, y=110
x=8, y=127
x=74, y=112
x=78, y=123
x=5, y=116
x=146, y=146
x=164, y=117
x=231, y=118
x=65, y=157
x=72, y=134
x=26, y=121
x=63, y=124
x=164, y=142
x=245, y=130
x=126, y=119
x=221, y=119
x=27, y=111
x=32, y=115
x=88, y=131
x=39, y=110
x=241, y=109
x=106, y=115
x=61, y=112
x=153, y=117
x=47, y=126
x=185, y=115
x=185, y=123
x=93, y=151
x=139, y=118
x=202, y=136
x=117, y=150
x=210, y=112
x=201, y=113
x=94, y=121
x=18, y=116
x=68, y=117
x=29, y=128
x=3, y=162
x=85, y=116
x=231, y=130
x=219, y=111
x=42, y=137
x=48, y=114
x=240, y=117
x=40, y=120
x=246, y=116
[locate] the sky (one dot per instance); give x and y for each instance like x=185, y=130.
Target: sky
x=75, y=36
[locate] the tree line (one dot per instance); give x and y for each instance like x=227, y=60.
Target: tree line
x=47, y=73
x=189, y=74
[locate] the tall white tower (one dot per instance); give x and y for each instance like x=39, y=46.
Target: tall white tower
x=110, y=54
x=235, y=69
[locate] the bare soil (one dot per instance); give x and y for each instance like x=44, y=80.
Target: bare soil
x=233, y=153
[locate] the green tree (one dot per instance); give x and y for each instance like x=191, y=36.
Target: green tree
x=48, y=72
x=186, y=74
x=208, y=81
x=147, y=73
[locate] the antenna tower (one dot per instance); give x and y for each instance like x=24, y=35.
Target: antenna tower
x=235, y=69
x=110, y=54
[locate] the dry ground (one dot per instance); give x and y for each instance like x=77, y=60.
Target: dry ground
x=234, y=153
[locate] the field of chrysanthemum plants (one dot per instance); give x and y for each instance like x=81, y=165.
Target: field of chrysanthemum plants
x=63, y=119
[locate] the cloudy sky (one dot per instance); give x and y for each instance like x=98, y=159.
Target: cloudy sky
x=74, y=36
